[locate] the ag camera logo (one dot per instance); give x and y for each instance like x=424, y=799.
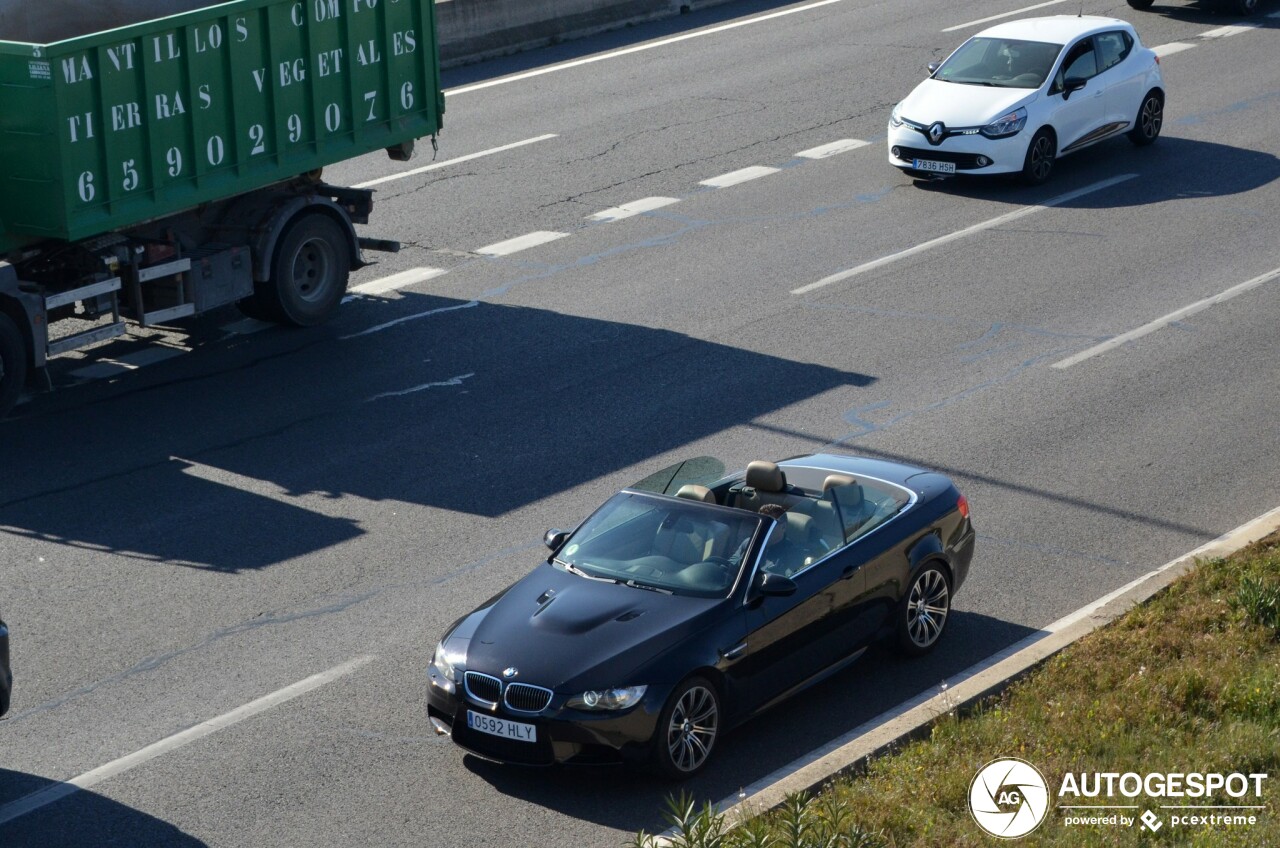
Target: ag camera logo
x=1009, y=798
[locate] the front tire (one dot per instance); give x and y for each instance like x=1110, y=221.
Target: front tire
x=1141, y=4
x=1146, y=127
x=13, y=364
x=1041, y=154
x=688, y=728
x=308, y=272
x=924, y=612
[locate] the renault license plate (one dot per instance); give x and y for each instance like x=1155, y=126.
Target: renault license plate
x=933, y=167
x=505, y=728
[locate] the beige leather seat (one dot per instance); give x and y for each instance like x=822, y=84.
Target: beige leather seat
x=765, y=483
x=688, y=540
x=694, y=492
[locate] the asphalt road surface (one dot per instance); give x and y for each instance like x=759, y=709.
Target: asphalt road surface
x=193, y=522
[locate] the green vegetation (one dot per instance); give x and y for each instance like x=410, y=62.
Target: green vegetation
x=1187, y=682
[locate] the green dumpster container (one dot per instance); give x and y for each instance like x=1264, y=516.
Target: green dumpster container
x=107, y=130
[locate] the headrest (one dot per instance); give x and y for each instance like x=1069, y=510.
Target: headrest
x=765, y=476
x=834, y=480
x=694, y=492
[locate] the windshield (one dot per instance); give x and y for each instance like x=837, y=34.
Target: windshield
x=672, y=545
x=1000, y=62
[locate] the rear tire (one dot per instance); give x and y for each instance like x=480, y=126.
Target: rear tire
x=1041, y=154
x=1146, y=127
x=308, y=273
x=13, y=364
x=1141, y=4
x=924, y=611
x=687, y=729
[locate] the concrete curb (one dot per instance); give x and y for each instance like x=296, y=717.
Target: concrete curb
x=913, y=718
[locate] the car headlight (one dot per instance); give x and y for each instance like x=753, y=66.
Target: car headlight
x=441, y=663
x=895, y=117
x=608, y=699
x=1006, y=125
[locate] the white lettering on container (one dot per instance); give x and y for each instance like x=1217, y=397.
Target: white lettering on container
x=216, y=150
x=260, y=77
x=174, y=158
x=87, y=191
x=295, y=127
x=371, y=56
x=406, y=96
x=210, y=39
x=332, y=117
x=403, y=42
x=291, y=72
x=258, y=136
x=206, y=98
x=298, y=16
x=76, y=69
x=326, y=9
x=167, y=108
x=368, y=4
x=171, y=50
x=125, y=116
x=242, y=30
x=121, y=56
x=329, y=62
x=371, y=97
x=130, y=174
x=75, y=124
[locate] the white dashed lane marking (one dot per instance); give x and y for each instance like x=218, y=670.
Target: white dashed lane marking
x=635, y=207
x=822, y=151
x=397, y=281
x=1171, y=48
x=1228, y=31
x=519, y=243
x=732, y=178
x=981, y=21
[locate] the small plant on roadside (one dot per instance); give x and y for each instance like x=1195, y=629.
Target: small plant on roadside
x=1260, y=600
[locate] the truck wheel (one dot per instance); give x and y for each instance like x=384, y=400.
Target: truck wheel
x=309, y=272
x=13, y=364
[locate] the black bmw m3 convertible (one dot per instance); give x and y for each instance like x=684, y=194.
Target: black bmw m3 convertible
x=679, y=609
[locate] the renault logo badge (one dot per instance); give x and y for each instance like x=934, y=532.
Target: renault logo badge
x=510, y=672
x=936, y=131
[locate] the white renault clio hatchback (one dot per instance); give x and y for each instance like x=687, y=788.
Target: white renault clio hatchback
x=1016, y=96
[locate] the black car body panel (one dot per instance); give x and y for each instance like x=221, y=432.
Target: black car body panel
x=577, y=625
x=6, y=674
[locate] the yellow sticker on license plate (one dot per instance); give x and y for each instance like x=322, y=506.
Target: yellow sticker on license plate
x=502, y=727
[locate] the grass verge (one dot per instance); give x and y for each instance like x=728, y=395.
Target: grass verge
x=1187, y=682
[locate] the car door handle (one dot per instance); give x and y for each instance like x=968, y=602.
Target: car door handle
x=734, y=651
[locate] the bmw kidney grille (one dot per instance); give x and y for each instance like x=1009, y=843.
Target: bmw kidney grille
x=519, y=697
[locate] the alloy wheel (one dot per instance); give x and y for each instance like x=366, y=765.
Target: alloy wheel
x=928, y=607
x=1042, y=158
x=691, y=733
x=1152, y=117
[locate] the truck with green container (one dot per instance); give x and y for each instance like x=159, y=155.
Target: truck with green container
x=152, y=169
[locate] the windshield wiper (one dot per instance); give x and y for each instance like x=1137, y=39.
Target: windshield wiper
x=634, y=585
x=573, y=569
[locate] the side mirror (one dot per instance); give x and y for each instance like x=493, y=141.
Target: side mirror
x=1073, y=84
x=933, y=67
x=555, y=539
x=775, y=585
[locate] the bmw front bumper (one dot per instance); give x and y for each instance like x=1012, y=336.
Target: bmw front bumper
x=563, y=735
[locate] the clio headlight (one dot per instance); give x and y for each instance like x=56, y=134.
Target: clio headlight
x=608, y=699
x=443, y=665
x=1006, y=125
x=895, y=117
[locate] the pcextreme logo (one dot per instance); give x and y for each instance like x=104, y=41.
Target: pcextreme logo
x=1009, y=798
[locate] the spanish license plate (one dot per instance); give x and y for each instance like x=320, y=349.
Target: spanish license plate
x=933, y=167
x=505, y=728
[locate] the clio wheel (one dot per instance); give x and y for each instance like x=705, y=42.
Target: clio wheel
x=1038, y=165
x=687, y=729
x=1146, y=128
x=924, y=611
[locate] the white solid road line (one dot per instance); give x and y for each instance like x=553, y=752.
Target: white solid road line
x=397, y=281
x=1171, y=48
x=519, y=243
x=446, y=163
x=1159, y=323
x=39, y=799
x=635, y=207
x=822, y=151
x=564, y=66
x=967, y=231
x=732, y=178
x=1004, y=15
